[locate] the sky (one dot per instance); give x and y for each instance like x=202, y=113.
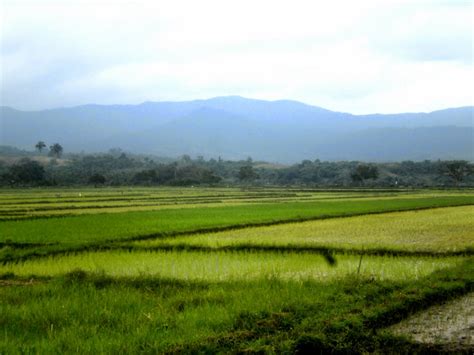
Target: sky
x=351, y=56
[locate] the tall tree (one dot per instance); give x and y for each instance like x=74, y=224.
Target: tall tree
x=56, y=150
x=40, y=146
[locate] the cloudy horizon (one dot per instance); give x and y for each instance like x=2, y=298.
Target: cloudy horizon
x=351, y=57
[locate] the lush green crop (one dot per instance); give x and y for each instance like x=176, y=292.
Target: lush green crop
x=138, y=271
x=438, y=230
x=34, y=203
x=228, y=266
x=38, y=203
x=103, y=227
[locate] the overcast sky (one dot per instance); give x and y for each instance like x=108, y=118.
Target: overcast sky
x=352, y=56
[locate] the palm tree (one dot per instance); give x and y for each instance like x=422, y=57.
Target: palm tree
x=40, y=146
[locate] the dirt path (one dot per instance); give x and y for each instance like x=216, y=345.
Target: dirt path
x=450, y=325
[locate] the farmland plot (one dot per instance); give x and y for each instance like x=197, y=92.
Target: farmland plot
x=226, y=270
x=441, y=230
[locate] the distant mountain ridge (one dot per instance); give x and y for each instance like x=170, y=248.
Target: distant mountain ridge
x=234, y=127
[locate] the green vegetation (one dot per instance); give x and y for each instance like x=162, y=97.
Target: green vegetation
x=435, y=230
x=120, y=169
x=228, y=266
x=216, y=270
x=137, y=225
x=83, y=312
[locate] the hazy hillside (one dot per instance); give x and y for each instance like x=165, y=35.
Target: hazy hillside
x=236, y=127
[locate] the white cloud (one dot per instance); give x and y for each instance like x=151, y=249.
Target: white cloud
x=350, y=56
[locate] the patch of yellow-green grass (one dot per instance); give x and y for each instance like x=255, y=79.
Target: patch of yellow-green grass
x=228, y=266
x=438, y=230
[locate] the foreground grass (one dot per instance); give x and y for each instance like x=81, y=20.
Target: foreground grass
x=143, y=314
x=85, y=229
x=437, y=230
x=228, y=266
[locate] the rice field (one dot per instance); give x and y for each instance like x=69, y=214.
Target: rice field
x=230, y=266
x=217, y=270
x=140, y=225
x=434, y=230
x=39, y=203
x=43, y=203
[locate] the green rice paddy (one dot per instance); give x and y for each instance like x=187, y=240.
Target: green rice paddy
x=136, y=225
x=230, y=266
x=204, y=270
x=437, y=230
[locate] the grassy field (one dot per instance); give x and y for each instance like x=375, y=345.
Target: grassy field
x=203, y=270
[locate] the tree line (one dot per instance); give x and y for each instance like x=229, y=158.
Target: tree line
x=117, y=168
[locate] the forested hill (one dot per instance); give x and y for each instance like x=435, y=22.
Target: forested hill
x=235, y=128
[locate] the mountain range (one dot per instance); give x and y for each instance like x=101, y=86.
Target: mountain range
x=234, y=127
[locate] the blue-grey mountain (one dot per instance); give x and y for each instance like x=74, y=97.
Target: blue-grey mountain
x=235, y=128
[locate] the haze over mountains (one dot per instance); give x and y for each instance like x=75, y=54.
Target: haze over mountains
x=234, y=127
